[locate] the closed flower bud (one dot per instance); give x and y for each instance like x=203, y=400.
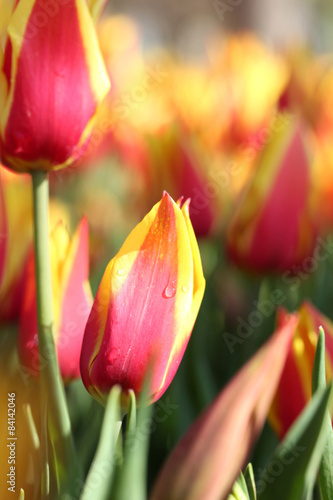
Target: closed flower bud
x=145, y=307
x=273, y=227
x=72, y=303
x=294, y=390
x=52, y=80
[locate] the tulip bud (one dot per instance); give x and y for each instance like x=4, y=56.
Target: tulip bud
x=294, y=390
x=145, y=307
x=52, y=80
x=180, y=164
x=72, y=303
x=273, y=228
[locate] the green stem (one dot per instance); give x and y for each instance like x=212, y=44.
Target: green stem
x=325, y=479
x=51, y=382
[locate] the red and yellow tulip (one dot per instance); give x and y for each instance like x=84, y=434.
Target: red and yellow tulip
x=72, y=303
x=273, y=227
x=294, y=389
x=52, y=80
x=145, y=307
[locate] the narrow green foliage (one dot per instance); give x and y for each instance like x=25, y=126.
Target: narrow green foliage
x=250, y=482
x=325, y=476
x=99, y=482
x=239, y=489
x=131, y=477
x=292, y=470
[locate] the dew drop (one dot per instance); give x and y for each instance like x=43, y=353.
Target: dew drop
x=170, y=290
x=185, y=288
x=121, y=272
x=113, y=355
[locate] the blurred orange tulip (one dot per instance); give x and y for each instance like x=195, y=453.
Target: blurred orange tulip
x=72, y=303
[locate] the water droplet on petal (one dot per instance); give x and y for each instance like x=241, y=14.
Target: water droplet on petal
x=121, y=272
x=170, y=290
x=185, y=288
x=113, y=355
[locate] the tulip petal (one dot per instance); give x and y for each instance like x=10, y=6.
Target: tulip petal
x=75, y=303
x=96, y=8
x=197, y=294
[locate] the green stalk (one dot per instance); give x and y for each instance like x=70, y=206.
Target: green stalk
x=325, y=479
x=67, y=468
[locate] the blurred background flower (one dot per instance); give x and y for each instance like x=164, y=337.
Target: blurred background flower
x=72, y=302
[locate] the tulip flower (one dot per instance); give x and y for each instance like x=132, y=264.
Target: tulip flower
x=19, y=227
x=273, y=227
x=72, y=303
x=207, y=460
x=52, y=80
x=178, y=163
x=294, y=390
x=250, y=78
x=145, y=306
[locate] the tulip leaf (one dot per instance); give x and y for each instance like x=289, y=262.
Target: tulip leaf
x=244, y=487
x=101, y=474
x=131, y=416
x=130, y=480
x=237, y=492
x=318, y=371
x=239, y=489
x=291, y=471
x=250, y=482
x=325, y=476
